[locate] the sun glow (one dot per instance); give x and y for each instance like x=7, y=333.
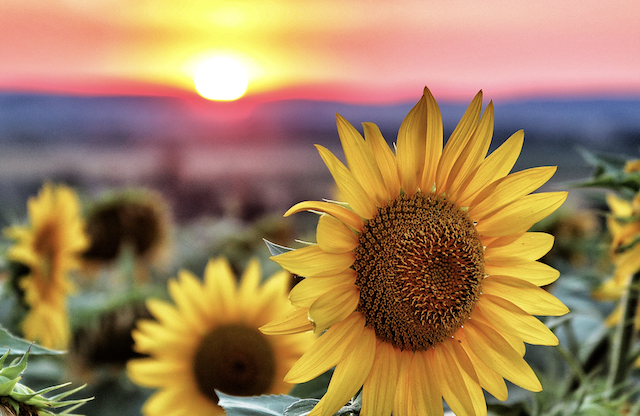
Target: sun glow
x=221, y=79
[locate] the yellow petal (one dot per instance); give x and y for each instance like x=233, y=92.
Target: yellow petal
x=458, y=381
x=349, y=375
x=514, y=341
x=434, y=142
x=489, y=379
x=348, y=185
x=293, y=323
x=220, y=285
x=333, y=236
x=385, y=159
x=525, y=295
x=403, y=401
x=619, y=207
x=380, y=387
x=507, y=317
x=361, y=162
x=167, y=315
x=509, y=189
x=456, y=143
x=150, y=372
x=250, y=279
x=497, y=165
x=425, y=384
x=163, y=402
x=334, y=306
x=521, y=215
x=411, y=147
x=350, y=218
x=186, y=305
x=313, y=261
x=308, y=290
x=488, y=345
x=328, y=350
x=528, y=247
x=473, y=153
x=539, y=274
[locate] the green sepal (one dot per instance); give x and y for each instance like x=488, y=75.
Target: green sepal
x=16, y=368
x=6, y=388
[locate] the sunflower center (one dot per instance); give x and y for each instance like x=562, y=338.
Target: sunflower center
x=420, y=267
x=45, y=246
x=236, y=360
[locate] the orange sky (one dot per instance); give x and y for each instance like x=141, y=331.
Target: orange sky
x=377, y=50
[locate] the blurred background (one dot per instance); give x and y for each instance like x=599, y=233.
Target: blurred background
x=215, y=105
x=102, y=93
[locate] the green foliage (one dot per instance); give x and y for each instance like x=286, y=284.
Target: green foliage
x=16, y=393
x=264, y=405
x=17, y=346
x=281, y=405
x=609, y=173
x=276, y=249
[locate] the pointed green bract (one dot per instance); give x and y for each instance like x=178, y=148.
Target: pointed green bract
x=14, y=392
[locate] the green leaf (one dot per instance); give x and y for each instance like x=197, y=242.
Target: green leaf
x=610, y=172
x=275, y=249
x=301, y=407
x=313, y=389
x=271, y=405
x=19, y=346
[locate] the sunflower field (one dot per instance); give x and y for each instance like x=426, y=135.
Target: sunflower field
x=432, y=276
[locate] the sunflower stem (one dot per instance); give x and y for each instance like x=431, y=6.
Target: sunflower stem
x=623, y=337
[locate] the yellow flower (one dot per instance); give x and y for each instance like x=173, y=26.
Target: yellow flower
x=624, y=226
x=50, y=247
x=210, y=340
x=428, y=278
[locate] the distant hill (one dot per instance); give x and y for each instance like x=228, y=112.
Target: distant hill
x=56, y=119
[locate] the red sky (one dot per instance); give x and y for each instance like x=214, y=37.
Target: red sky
x=376, y=50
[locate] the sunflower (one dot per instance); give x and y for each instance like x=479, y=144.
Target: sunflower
x=49, y=248
x=624, y=226
x=426, y=279
x=134, y=219
x=210, y=341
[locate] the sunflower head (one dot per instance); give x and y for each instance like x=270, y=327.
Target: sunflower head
x=18, y=399
x=106, y=342
x=425, y=278
x=46, y=250
x=137, y=219
x=209, y=340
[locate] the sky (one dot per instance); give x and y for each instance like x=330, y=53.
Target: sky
x=373, y=51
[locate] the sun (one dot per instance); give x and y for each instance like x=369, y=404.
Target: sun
x=221, y=79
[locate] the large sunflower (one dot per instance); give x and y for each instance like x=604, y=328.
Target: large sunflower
x=210, y=341
x=50, y=247
x=426, y=278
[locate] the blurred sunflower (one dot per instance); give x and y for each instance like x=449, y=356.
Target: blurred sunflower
x=49, y=247
x=210, y=341
x=135, y=219
x=624, y=226
x=426, y=278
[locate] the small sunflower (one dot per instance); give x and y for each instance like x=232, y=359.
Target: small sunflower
x=426, y=280
x=137, y=219
x=624, y=226
x=49, y=247
x=210, y=341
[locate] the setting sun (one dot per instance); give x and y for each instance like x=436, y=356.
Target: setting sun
x=221, y=78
